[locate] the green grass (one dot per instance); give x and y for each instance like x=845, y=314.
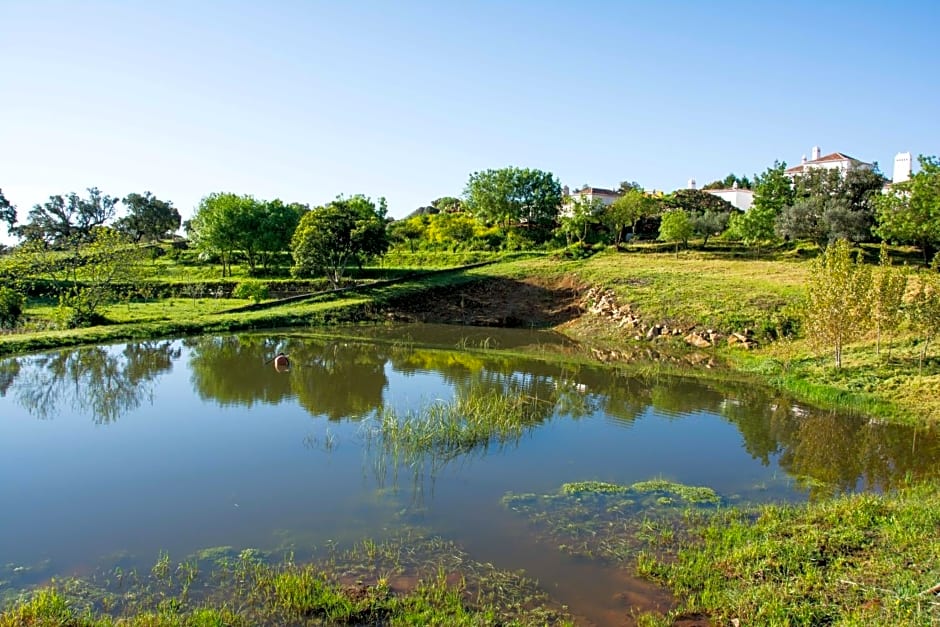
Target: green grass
x=856, y=560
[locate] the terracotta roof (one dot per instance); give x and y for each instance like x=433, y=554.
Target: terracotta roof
x=835, y=156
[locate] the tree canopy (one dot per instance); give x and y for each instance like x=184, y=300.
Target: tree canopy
x=730, y=181
x=515, y=197
x=148, y=218
x=629, y=209
x=345, y=231
x=7, y=212
x=67, y=221
x=676, y=226
x=910, y=211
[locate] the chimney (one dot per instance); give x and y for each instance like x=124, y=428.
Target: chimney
x=692, y=183
x=804, y=159
x=815, y=153
x=902, y=167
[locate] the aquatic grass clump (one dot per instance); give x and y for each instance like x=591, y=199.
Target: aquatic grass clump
x=613, y=522
x=444, y=430
x=689, y=494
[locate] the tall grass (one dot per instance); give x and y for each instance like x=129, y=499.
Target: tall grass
x=444, y=430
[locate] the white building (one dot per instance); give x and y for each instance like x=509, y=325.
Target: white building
x=740, y=198
x=833, y=161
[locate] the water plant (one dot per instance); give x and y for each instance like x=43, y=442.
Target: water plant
x=444, y=430
x=408, y=580
x=610, y=521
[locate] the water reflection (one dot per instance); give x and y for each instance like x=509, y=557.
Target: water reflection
x=103, y=381
x=342, y=379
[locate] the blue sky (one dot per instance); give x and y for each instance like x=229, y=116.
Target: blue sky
x=307, y=100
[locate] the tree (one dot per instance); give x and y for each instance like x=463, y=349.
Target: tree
x=69, y=221
x=676, y=226
x=924, y=307
x=7, y=212
x=910, y=211
x=84, y=279
x=888, y=286
x=629, y=186
x=804, y=220
x=629, y=209
x=225, y=223
x=839, y=205
x=515, y=197
x=408, y=231
x=278, y=223
x=754, y=227
x=709, y=213
x=773, y=190
x=837, y=299
x=148, y=218
x=729, y=182
x=710, y=223
x=345, y=231
x=580, y=214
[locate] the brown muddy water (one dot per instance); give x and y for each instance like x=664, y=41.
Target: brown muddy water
x=118, y=453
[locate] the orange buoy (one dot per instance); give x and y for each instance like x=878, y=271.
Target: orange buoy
x=281, y=362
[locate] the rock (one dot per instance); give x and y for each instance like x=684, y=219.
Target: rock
x=653, y=332
x=697, y=340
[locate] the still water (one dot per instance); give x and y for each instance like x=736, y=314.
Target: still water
x=179, y=445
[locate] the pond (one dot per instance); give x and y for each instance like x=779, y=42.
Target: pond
x=118, y=453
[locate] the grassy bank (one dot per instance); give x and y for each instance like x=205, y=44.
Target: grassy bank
x=857, y=560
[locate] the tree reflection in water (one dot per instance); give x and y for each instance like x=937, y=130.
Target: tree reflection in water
x=825, y=451
x=104, y=381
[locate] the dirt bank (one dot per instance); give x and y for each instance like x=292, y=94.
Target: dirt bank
x=527, y=303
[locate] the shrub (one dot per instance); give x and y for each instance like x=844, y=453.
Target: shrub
x=11, y=307
x=254, y=290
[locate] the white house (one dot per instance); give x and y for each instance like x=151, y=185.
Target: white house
x=740, y=198
x=833, y=161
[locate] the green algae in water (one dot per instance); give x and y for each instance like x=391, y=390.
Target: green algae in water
x=613, y=522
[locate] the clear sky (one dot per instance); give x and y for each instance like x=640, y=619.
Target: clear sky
x=306, y=100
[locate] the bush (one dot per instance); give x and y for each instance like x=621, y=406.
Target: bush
x=254, y=290
x=11, y=307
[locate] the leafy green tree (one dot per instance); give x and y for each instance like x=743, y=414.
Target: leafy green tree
x=837, y=204
x=580, y=215
x=888, y=286
x=710, y=223
x=804, y=220
x=408, y=231
x=754, y=227
x=452, y=230
x=837, y=299
x=629, y=186
x=924, y=307
x=709, y=213
x=676, y=226
x=7, y=212
x=148, y=218
x=345, y=231
x=278, y=223
x=11, y=307
x=84, y=279
x=629, y=209
x=729, y=182
x=225, y=223
x=773, y=190
x=910, y=211
x=67, y=222
x=515, y=197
